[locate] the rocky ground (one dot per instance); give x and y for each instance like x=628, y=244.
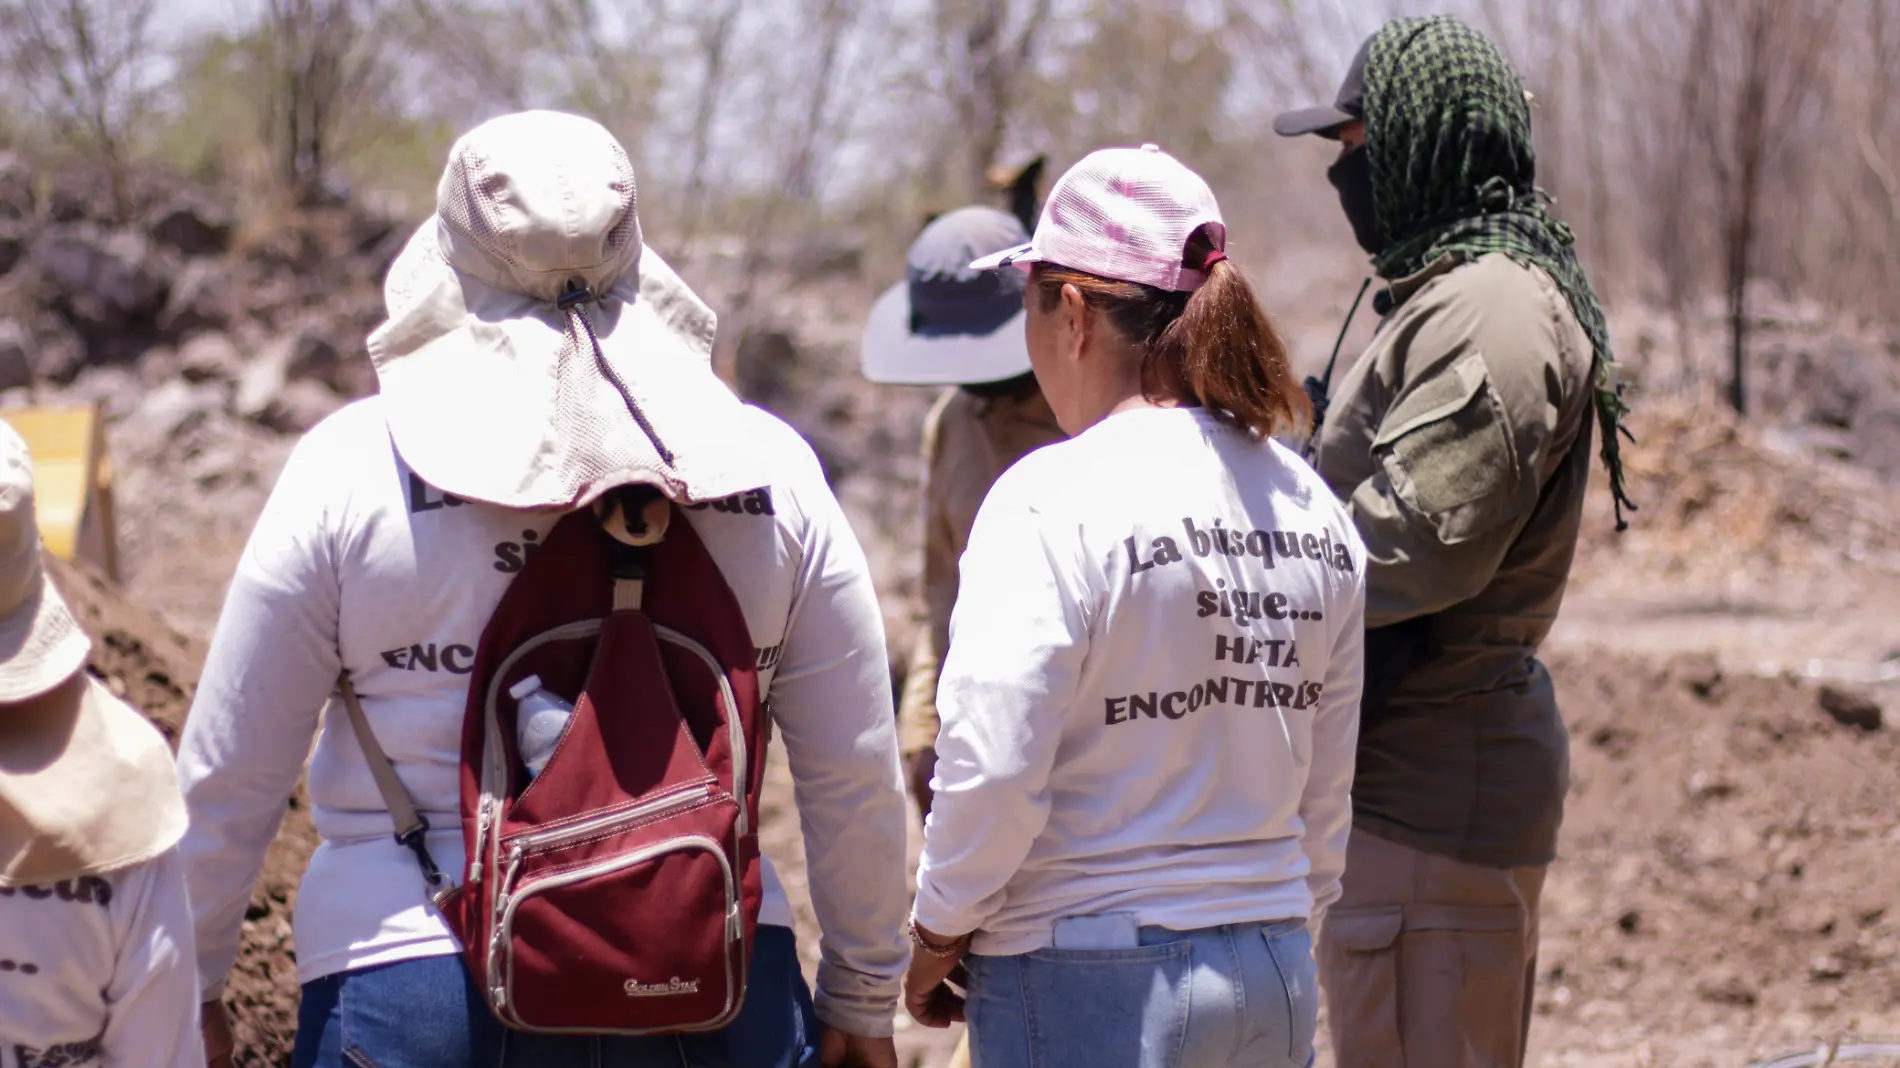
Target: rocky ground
x=1730, y=667
x=1728, y=873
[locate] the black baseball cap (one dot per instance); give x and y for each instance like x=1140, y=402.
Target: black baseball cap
x=1326, y=119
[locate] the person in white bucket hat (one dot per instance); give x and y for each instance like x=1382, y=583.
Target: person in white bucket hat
x=1151, y=696
x=536, y=355
x=947, y=323
x=96, y=958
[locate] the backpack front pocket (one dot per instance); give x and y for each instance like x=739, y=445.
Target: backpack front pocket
x=566, y=946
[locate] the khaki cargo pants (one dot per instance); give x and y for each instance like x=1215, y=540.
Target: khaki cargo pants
x=1427, y=962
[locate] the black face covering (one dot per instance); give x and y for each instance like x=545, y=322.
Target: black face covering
x=1351, y=176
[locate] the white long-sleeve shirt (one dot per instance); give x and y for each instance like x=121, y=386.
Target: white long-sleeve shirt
x=99, y=970
x=1151, y=699
x=357, y=563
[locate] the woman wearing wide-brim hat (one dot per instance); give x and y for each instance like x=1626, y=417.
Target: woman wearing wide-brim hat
x=96, y=957
x=1151, y=697
x=537, y=355
x=946, y=324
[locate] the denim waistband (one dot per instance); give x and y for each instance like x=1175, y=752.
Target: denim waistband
x=1269, y=928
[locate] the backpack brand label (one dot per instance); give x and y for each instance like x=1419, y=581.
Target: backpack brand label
x=672, y=988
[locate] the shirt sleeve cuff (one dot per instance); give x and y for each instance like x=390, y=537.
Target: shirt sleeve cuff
x=863, y=1017
x=940, y=921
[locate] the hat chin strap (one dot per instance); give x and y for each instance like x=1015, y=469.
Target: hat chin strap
x=572, y=303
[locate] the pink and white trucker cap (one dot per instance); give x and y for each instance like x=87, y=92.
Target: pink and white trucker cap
x=1126, y=214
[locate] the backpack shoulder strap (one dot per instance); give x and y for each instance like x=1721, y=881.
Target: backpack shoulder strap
x=411, y=825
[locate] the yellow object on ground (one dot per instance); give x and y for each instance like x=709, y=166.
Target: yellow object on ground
x=72, y=482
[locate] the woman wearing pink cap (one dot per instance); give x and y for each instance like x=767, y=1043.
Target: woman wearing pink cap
x=1151, y=699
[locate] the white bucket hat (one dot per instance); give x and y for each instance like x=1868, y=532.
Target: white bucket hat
x=947, y=324
x=86, y=783
x=41, y=645
x=537, y=354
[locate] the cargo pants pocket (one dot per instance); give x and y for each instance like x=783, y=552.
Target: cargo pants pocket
x=1359, y=972
x=1462, y=972
x=1429, y=986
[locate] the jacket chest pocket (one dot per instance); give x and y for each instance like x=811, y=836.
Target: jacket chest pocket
x=1446, y=447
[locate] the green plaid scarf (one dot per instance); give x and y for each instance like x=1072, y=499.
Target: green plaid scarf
x=1448, y=132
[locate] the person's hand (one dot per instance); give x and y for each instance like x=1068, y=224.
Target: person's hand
x=922, y=766
x=216, y=1026
x=839, y=1050
x=927, y=991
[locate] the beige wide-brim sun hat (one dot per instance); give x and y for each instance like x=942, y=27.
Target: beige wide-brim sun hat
x=87, y=784
x=497, y=389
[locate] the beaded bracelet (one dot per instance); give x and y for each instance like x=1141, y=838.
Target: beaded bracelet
x=936, y=949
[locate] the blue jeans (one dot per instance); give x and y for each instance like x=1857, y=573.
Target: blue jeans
x=1240, y=996
x=428, y=1014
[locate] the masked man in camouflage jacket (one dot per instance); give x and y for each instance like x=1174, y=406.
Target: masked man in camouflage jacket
x=1460, y=440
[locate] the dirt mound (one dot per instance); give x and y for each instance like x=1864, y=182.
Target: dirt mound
x=1818, y=375
x=1726, y=885
x=1725, y=503
x=143, y=661
x=155, y=668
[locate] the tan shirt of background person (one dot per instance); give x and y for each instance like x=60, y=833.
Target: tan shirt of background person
x=969, y=441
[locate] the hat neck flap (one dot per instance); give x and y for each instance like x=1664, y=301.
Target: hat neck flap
x=87, y=787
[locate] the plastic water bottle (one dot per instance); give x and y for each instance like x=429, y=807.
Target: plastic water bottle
x=540, y=717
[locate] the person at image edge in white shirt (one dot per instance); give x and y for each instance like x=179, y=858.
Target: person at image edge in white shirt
x=97, y=966
x=1150, y=703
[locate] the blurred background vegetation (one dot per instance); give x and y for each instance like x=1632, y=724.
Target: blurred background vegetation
x=1703, y=149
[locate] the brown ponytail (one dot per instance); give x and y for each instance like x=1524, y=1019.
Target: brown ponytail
x=1214, y=347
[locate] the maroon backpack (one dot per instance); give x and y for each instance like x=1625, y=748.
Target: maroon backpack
x=617, y=893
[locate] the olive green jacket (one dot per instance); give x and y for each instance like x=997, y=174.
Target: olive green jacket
x=1460, y=443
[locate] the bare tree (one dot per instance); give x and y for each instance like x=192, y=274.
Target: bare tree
x=612, y=70
x=803, y=152
x=84, y=66
x=1599, y=240
x=1149, y=70
x=1285, y=46
x=471, y=58
x=1863, y=94
x=988, y=47
x=480, y=49
x=1681, y=135
x=835, y=21
x=713, y=32
x=323, y=61
x=1754, y=68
